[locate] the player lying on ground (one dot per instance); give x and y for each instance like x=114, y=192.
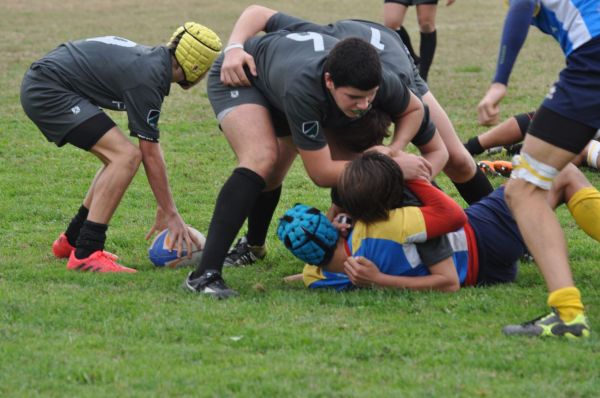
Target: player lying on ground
x=62, y=93
x=385, y=245
x=512, y=131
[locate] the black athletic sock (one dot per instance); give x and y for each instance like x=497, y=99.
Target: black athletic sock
x=72, y=232
x=474, y=146
x=91, y=238
x=236, y=199
x=476, y=188
x=428, y=43
x=406, y=40
x=261, y=215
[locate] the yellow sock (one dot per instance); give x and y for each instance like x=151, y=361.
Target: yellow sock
x=585, y=208
x=567, y=302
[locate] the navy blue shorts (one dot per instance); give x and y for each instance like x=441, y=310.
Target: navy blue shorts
x=499, y=242
x=576, y=94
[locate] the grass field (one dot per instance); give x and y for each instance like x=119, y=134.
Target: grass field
x=81, y=335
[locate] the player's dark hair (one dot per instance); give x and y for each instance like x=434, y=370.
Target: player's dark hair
x=172, y=45
x=362, y=133
x=370, y=186
x=354, y=62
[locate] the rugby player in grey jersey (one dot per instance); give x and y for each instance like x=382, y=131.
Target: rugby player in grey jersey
x=302, y=84
x=470, y=182
x=63, y=93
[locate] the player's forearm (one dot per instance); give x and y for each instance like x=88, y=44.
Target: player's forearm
x=252, y=21
x=327, y=175
x=407, y=125
x=436, y=153
x=156, y=172
x=427, y=282
x=514, y=33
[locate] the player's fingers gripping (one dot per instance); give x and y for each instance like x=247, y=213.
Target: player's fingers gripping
x=180, y=238
x=194, y=239
x=189, y=241
x=251, y=65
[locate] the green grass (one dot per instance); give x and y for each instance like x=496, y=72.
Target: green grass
x=69, y=334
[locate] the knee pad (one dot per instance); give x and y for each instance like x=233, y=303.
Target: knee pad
x=533, y=171
x=585, y=209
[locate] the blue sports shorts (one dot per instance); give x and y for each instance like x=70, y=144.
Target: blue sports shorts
x=499, y=241
x=576, y=94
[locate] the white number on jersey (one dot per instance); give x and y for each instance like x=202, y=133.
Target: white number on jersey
x=316, y=38
x=376, y=39
x=114, y=40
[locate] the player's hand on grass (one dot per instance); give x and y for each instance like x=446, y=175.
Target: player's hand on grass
x=488, y=110
x=232, y=70
x=449, y=2
x=413, y=166
x=361, y=271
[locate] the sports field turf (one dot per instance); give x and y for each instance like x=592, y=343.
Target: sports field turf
x=87, y=335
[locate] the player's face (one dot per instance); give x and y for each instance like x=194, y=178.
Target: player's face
x=352, y=101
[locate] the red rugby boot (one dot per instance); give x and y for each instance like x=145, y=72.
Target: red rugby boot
x=98, y=261
x=61, y=248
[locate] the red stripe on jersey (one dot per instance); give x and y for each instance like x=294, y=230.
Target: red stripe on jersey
x=473, y=264
x=441, y=213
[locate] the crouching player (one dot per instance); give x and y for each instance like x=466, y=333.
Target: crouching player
x=385, y=246
x=62, y=94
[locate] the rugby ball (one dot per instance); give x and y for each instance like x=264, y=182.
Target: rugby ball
x=160, y=255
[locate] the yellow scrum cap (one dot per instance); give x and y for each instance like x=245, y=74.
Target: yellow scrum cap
x=196, y=48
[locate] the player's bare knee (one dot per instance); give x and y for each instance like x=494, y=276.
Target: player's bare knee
x=460, y=166
x=516, y=191
x=426, y=26
x=261, y=163
x=130, y=158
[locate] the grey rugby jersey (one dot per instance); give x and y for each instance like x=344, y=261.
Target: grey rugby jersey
x=118, y=74
x=290, y=75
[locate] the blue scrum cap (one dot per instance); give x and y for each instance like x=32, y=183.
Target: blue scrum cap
x=308, y=234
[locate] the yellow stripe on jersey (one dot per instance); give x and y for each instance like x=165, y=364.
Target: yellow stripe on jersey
x=311, y=274
x=405, y=225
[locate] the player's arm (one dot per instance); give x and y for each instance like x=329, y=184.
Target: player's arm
x=252, y=21
x=363, y=272
x=436, y=153
x=440, y=212
x=321, y=168
x=407, y=123
x=167, y=214
x=514, y=33
x=406, y=126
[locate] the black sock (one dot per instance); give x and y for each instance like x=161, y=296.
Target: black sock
x=473, y=146
x=406, y=40
x=428, y=43
x=476, y=188
x=72, y=232
x=260, y=217
x=236, y=199
x=91, y=238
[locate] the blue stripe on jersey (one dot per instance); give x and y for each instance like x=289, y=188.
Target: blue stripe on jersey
x=332, y=280
x=571, y=22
